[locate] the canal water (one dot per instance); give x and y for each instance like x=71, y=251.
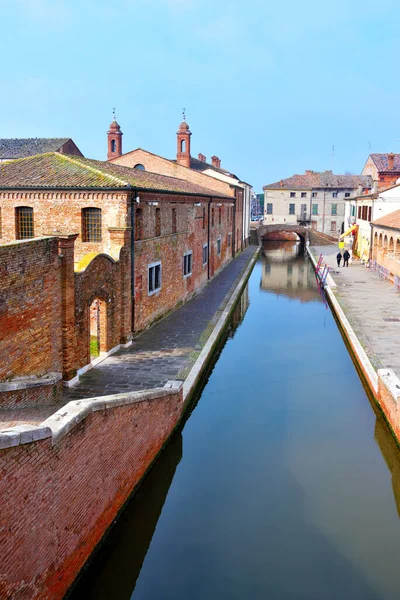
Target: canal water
x=283, y=483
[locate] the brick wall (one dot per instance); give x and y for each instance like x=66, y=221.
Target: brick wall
x=169, y=249
x=59, y=211
x=30, y=309
x=58, y=500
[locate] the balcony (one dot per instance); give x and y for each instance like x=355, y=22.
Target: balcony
x=303, y=218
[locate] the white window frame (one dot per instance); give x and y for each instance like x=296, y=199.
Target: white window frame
x=188, y=253
x=149, y=267
x=219, y=246
x=205, y=247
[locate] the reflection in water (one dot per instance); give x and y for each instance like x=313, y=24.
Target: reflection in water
x=114, y=572
x=240, y=311
x=391, y=454
x=286, y=273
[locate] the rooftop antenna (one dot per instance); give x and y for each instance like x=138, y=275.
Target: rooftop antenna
x=114, y=113
x=184, y=113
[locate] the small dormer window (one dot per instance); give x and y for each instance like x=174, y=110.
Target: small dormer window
x=113, y=146
x=139, y=167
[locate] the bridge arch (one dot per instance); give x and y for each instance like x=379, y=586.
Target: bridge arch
x=265, y=231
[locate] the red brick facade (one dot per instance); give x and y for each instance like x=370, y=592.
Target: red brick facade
x=30, y=309
x=59, y=499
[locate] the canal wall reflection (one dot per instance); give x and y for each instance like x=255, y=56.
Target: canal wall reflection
x=114, y=571
x=285, y=271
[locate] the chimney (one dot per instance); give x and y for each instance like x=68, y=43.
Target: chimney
x=309, y=172
x=202, y=157
x=391, y=161
x=215, y=161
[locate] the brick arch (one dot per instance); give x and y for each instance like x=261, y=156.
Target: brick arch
x=101, y=280
x=265, y=230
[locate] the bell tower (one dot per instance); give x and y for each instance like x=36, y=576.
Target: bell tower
x=183, y=142
x=114, y=138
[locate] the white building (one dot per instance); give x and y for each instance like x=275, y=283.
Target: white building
x=316, y=199
x=361, y=210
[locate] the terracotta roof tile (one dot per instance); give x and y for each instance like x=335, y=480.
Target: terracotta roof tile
x=382, y=163
x=54, y=170
x=325, y=179
x=391, y=220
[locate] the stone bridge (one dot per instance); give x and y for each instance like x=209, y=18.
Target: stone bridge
x=264, y=230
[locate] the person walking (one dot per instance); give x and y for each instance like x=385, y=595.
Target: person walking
x=338, y=258
x=346, y=256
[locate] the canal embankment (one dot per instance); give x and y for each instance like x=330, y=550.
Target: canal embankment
x=367, y=310
x=66, y=478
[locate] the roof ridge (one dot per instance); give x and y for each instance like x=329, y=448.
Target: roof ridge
x=93, y=169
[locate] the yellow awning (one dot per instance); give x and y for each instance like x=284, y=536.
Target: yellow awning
x=348, y=232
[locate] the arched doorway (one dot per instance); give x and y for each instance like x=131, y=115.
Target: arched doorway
x=97, y=328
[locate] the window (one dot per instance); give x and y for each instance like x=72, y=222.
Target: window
x=24, y=223
x=334, y=194
x=364, y=213
x=158, y=222
x=269, y=208
x=314, y=194
x=333, y=225
x=113, y=146
x=353, y=211
x=219, y=246
x=187, y=263
x=229, y=239
x=174, y=220
x=347, y=195
x=291, y=209
x=304, y=194
x=212, y=217
x=333, y=209
x=359, y=212
x=154, y=277
x=369, y=212
x=315, y=209
x=293, y=194
x=183, y=145
x=139, y=167
x=139, y=224
x=91, y=225
x=205, y=254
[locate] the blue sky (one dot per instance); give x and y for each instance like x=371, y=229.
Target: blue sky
x=269, y=87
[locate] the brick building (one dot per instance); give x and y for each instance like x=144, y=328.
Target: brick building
x=188, y=168
x=383, y=168
x=122, y=245
x=14, y=148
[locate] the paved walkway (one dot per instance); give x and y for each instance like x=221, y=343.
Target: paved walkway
x=166, y=351
x=371, y=305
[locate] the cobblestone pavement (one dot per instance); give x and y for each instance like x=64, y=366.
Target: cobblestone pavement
x=372, y=307
x=165, y=351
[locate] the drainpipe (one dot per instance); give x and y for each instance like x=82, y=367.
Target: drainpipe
x=234, y=228
x=208, y=238
x=133, y=202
